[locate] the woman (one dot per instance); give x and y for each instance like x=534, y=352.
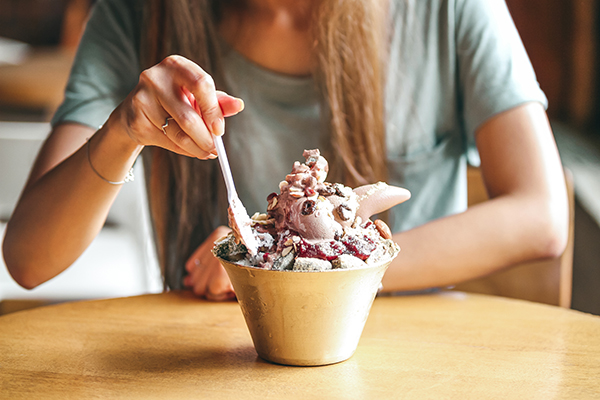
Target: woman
x=399, y=92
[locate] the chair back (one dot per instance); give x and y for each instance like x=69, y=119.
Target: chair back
x=545, y=281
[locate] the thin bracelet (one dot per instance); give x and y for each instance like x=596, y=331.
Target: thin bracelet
x=128, y=178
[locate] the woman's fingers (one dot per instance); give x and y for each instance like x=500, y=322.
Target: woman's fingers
x=229, y=105
x=153, y=123
x=202, y=86
x=188, y=119
x=222, y=297
x=206, y=276
x=209, y=280
x=219, y=285
x=179, y=89
x=197, y=122
x=173, y=135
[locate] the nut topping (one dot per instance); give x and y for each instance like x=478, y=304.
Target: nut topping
x=383, y=229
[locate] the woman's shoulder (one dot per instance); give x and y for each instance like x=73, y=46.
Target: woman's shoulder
x=444, y=9
x=126, y=5
x=124, y=12
x=106, y=66
x=116, y=21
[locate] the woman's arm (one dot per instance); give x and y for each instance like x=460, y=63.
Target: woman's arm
x=525, y=218
x=65, y=203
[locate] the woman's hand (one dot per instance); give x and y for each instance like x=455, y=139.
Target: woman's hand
x=206, y=276
x=180, y=90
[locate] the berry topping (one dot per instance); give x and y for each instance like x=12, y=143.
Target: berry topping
x=359, y=246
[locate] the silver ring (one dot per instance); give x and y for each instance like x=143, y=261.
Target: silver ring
x=165, y=125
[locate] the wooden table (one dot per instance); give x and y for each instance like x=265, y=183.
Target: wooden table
x=443, y=346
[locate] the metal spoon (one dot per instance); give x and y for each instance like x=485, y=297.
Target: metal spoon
x=239, y=220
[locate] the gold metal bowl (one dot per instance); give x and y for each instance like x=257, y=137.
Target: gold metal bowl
x=305, y=318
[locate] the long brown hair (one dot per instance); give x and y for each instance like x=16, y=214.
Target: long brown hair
x=349, y=58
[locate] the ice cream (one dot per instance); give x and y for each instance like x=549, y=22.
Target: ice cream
x=313, y=225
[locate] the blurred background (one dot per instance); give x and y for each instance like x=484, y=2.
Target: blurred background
x=38, y=39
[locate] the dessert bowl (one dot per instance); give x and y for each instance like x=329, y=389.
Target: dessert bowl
x=306, y=318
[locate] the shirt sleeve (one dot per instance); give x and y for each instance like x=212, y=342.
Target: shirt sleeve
x=106, y=67
x=494, y=70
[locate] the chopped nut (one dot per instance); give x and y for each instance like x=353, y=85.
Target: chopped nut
x=383, y=229
x=310, y=192
x=286, y=251
x=272, y=203
x=259, y=217
x=270, y=221
x=357, y=222
x=271, y=195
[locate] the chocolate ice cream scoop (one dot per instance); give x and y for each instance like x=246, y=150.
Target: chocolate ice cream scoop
x=320, y=211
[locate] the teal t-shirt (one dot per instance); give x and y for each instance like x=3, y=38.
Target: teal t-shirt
x=453, y=65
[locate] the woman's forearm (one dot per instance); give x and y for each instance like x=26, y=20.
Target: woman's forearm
x=62, y=209
x=480, y=241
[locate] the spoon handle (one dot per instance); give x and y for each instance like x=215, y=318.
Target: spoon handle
x=238, y=216
x=225, y=169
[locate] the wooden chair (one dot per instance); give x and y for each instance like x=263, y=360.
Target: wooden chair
x=545, y=281
x=38, y=82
